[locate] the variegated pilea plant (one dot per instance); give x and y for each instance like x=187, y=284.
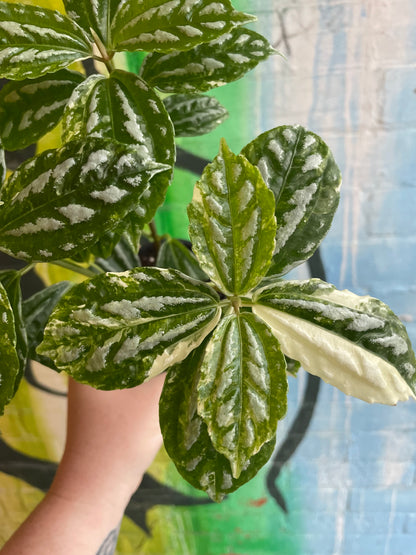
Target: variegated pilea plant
x=219, y=319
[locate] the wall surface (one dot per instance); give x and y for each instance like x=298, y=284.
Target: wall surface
x=342, y=480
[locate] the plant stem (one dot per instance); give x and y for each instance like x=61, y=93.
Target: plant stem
x=155, y=235
x=105, y=57
x=68, y=265
x=26, y=269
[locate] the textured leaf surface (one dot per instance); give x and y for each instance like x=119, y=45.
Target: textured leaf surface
x=166, y=25
x=174, y=254
x=243, y=387
x=194, y=115
x=31, y=108
x=10, y=280
x=207, y=66
x=35, y=41
x=78, y=192
x=9, y=368
x=186, y=437
x=123, y=255
x=36, y=311
x=124, y=108
x=232, y=223
x=354, y=343
x=118, y=330
x=300, y=170
x=95, y=14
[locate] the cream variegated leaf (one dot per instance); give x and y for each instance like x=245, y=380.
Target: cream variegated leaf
x=207, y=66
x=355, y=343
x=168, y=25
x=194, y=114
x=2, y=165
x=118, y=330
x=9, y=368
x=62, y=201
x=32, y=107
x=35, y=41
x=232, y=223
x=300, y=170
x=186, y=437
x=242, y=391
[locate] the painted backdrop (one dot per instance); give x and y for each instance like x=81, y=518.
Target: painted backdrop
x=342, y=481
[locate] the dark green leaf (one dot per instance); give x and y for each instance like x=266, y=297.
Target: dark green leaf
x=119, y=330
x=35, y=41
x=300, y=170
x=31, y=108
x=95, y=14
x=79, y=192
x=166, y=25
x=124, y=108
x=174, y=254
x=186, y=437
x=242, y=392
x=9, y=368
x=207, y=66
x=232, y=223
x=36, y=311
x=10, y=280
x=124, y=257
x=194, y=114
x=354, y=343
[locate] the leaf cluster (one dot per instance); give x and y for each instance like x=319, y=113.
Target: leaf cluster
x=218, y=318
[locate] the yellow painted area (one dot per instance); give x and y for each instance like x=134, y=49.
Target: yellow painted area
x=50, y=4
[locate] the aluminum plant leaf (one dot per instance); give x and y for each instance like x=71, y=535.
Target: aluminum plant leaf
x=10, y=280
x=355, y=343
x=124, y=108
x=35, y=41
x=194, y=114
x=207, y=66
x=32, y=107
x=9, y=368
x=36, y=311
x=78, y=192
x=186, y=437
x=96, y=15
x=123, y=257
x=232, y=223
x=119, y=330
x=166, y=25
x=174, y=254
x=242, y=392
x=300, y=170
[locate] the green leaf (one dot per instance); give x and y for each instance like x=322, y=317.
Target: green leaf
x=36, y=311
x=10, y=280
x=232, y=223
x=9, y=368
x=2, y=166
x=35, y=41
x=174, y=254
x=207, y=66
x=194, y=114
x=355, y=343
x=242, y=392
x=31, y=108
x=124, y=108
x=186, y=437
x=300, y=170
x=96, y=14
x=167, y=25
x=124, y=257
x=292, y=366
x=79, y=192
x=119, y=330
